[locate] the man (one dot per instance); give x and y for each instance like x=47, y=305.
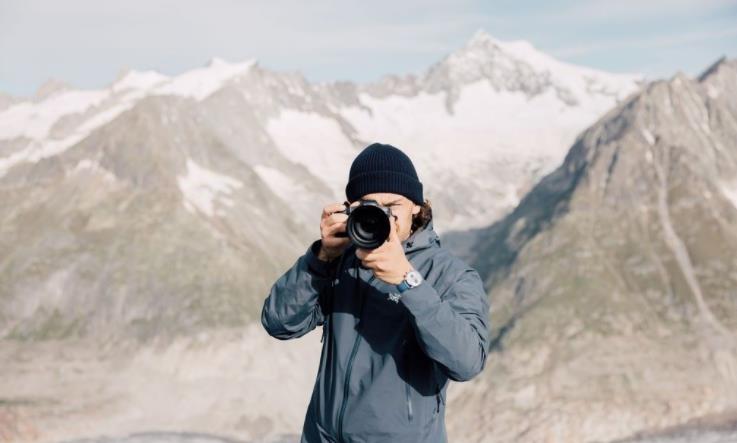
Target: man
x=398, y=321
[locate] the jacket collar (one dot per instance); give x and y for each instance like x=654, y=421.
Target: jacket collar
x=423, y=238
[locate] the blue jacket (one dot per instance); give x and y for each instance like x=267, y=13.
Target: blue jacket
x=385, y=364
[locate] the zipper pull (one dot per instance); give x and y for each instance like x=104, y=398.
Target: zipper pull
x=324, y=330
x=409, y=401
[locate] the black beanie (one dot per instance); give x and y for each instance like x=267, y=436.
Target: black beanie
x=383, y=168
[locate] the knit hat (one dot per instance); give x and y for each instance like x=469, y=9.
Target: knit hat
x=383, y=168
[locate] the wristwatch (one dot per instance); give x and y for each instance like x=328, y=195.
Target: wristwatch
x=411, y=279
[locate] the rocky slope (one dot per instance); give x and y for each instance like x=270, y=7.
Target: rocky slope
x=614, y=282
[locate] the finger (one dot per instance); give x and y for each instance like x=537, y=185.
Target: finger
x=367, y=255
x=338, y=242
x=331, y=209
x=375, y=265
x=336, y=217
x=393, y=229
x=335, y=228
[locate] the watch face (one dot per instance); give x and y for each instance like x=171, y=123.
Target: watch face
x=414, y=278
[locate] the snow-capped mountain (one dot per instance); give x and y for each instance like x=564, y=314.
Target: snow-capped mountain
x=482, y=125
x=486, y=123
x=235, y=162
x=60, y=117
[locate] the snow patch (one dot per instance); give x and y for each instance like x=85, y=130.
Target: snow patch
x=711, y=91
x=486, y=125
x=730, y=191
x=201, y=82
x=280, y=183
x=40, y=149
x=35, y=120
x=91, y=165
x=202, y=187
x=492, y=139
x=648, y=136
x=511, y=197
x=139, y=80
x=314, y=141
x=582, y=82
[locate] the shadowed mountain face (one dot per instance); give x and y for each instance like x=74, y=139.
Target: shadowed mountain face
x=614, y=282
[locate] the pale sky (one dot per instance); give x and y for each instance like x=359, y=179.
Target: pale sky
x=87, y=42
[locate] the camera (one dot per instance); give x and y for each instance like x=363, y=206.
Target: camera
x=368, y=224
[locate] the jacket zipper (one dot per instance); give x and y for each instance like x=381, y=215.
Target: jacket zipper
x=350, y=364
x=407, y=388
x=438, y=398
x=345, y=386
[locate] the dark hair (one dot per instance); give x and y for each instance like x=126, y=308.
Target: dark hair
x=421, y=218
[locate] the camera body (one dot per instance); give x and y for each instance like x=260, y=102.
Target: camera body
x=368, y=224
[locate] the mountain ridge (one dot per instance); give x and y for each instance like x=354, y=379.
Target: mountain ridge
x=612, y=283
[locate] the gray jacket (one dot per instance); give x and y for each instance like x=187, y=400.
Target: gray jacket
x=385, y=364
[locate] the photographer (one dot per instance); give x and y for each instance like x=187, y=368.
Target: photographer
x=398, y=321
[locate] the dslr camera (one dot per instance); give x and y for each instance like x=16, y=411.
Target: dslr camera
x=368, y=224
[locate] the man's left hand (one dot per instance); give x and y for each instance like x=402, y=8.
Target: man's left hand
x=388, y=260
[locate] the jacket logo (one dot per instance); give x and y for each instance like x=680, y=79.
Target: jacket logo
x=394, y=297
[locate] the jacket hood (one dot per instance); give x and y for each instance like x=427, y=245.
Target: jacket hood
x=423, y=238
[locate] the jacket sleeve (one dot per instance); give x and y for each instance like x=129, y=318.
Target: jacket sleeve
x=454, y=330
x=295, y=302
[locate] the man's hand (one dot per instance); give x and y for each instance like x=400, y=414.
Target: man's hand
x=331, y=223
x=388, y=260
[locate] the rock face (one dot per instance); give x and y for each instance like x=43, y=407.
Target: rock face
x=143, y=229
x=614, y=282
x=168, y=205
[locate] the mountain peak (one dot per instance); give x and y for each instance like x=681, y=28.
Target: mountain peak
x=518, y=66
x=481, y=37
x=51, y=87
x=516, y=48
x=200, y=82
x=133, y=79
x=712, y=68
x=216, y=61
x=219, y=63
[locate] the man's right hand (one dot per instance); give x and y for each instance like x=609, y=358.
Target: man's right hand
x=331, y=223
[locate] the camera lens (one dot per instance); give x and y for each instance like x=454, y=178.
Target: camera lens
x=368, y=226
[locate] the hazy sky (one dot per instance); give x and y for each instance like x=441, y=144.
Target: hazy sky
x=88, y=42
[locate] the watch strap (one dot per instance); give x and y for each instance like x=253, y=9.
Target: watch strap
x=403, y=286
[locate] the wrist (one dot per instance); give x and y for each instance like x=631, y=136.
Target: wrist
x=325, y=255
x=408, y=280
